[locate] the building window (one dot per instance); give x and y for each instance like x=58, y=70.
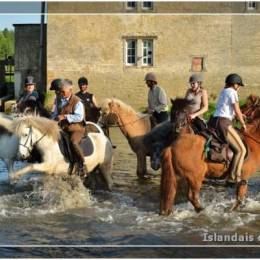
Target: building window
x=147, y=5
x=251, y=5
x=131, y=52
x=131, y=5
x=148, y=52
x=197, y=64
x=139, y=51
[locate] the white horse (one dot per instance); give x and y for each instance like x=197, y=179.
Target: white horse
x=44, y=134
x=8, y=143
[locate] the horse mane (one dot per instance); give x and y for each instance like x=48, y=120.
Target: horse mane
x=181, y=104
x=44, y=125
x=127, y=108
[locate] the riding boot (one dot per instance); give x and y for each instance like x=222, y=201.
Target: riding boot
x=82, y=168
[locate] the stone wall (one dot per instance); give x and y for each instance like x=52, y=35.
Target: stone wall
x=27, y=55
x=93, y=45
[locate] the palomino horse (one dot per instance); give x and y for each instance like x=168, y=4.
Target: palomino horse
x=44, y=134
x=133, y=126
x=185, y=158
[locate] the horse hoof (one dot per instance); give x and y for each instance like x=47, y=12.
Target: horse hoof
x=199, y=209
x=166, y=212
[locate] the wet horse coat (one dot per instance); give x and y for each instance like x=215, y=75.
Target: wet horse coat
x=44, y=134
x=185, y=158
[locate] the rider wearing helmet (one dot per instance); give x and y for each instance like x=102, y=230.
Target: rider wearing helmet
x=199, y=96
x=227, y=109
x=157, y=99
x=56, y=86
x=92, y=111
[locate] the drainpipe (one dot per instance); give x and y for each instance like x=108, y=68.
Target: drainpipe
x=41, y=59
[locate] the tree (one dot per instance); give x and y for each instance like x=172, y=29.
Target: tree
x=6, y=43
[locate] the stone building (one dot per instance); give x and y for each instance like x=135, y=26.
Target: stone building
x=115, y=44
x=27, y=56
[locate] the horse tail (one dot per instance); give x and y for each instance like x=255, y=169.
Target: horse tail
x=89, y=123
x=168, y=183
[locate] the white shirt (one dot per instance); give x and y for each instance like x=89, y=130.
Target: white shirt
x=227, y=98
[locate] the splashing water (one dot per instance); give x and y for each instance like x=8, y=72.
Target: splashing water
x=50, y=195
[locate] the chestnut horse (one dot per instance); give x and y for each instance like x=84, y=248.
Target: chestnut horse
x=133, y=126
x=185, y=158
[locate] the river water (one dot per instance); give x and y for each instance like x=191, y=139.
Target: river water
x=47, y=217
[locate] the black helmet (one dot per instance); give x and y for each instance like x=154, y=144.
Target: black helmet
x=234, y=79
x=29, y=80
x=55, y=84
x=82, y=81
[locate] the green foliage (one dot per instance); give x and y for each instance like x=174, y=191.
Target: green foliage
x=211, y=110
x=6, y=43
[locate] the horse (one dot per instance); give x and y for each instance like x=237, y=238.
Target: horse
x=185, y=158
x=44, y=134
x=8, y=143
x=133, y=126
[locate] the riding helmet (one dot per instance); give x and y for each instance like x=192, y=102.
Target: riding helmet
x=234, y=79
x=82, y=81
x=150, y=77
x=55, y=84
x=29, y=80
x=195, y=78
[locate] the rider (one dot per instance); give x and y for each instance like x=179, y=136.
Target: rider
x=227, y=108
x=199, y=96
x=92, y=111
x=157, y=99
x=71, y=120
x=56, y=85
x=29, y=94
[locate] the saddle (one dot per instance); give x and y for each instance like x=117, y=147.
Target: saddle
x=67, y=149
x=216, y=149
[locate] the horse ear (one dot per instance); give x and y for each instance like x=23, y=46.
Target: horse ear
x=172, y=101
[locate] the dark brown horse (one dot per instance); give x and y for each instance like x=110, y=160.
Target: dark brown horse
x=185, y=158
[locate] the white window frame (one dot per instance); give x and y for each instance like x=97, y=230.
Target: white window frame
x=131, y=8
x=149, y=50
x=129, y=55
x=251, y=5
x=146, y=7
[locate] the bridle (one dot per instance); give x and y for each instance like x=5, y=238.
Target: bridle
x=30, y=142
x=119, y=121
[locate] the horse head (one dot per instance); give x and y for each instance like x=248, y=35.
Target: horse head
x=180, y=111
x=31, y=131
x=251, y=109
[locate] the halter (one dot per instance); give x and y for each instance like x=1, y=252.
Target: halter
x=29, y=140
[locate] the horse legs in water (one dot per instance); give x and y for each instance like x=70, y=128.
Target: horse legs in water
x=9, y=165
x=141, y=164
x=168, y=184
x=241, y=192
x=193, y=195
x=36, y=167
x=106, y=169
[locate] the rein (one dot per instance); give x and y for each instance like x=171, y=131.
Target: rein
x=123, y=125
x=31, y=143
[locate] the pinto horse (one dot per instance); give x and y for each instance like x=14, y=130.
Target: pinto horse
x=8, y=143
x=185, y=158
x=132, y=125
x=44, y=135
